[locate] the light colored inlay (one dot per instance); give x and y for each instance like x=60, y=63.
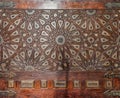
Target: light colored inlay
x=1, y=39
x=90, y=12
x=30, y=12
x=118, y=40
x=60, y=40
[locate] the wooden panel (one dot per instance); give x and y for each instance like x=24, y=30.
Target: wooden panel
x=3, y=84
x=81, y=92
x=52, y=92
x=63, y=45
x=57, y=40
x=61, y=4
x=1, y=40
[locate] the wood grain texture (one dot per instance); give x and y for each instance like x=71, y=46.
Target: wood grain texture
x=23, y=29
x=3, y=84
x=70, y=91
x=61, y=4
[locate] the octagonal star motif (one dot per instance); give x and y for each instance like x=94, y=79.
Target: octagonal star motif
x=58, y=37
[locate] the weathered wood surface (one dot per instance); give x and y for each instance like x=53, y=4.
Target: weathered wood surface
x=53, y=92
x=60, y=4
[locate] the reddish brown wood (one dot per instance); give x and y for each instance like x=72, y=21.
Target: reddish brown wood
x=70, y=83
x=61, y=4
x=52, y=92
x=84, y=5
x=3, y=84
x=50, y=84
x=37, y=84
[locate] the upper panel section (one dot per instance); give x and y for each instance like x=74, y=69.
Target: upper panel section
x=60, y=4
x=55, y=40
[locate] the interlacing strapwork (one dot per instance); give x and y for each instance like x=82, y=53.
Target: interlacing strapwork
x=38, y=40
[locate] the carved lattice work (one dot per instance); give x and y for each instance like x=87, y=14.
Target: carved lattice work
x=35, y=40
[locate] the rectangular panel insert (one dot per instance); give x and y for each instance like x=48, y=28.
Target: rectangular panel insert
x=27, y=83
x=60, y=83
x=43, y=84
x=92, y=84
x=76, y=83
x=108, y=84
x=10, y=83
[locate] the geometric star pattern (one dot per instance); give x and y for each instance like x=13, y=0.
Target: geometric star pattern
x=10, y=35
x=40, y=40
x=1, y=40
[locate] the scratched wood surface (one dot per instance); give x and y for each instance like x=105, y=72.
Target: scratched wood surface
x=60, y=4
x=70, y=92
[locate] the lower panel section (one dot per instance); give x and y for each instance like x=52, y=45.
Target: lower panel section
x=58, y=85
x=58, y=94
